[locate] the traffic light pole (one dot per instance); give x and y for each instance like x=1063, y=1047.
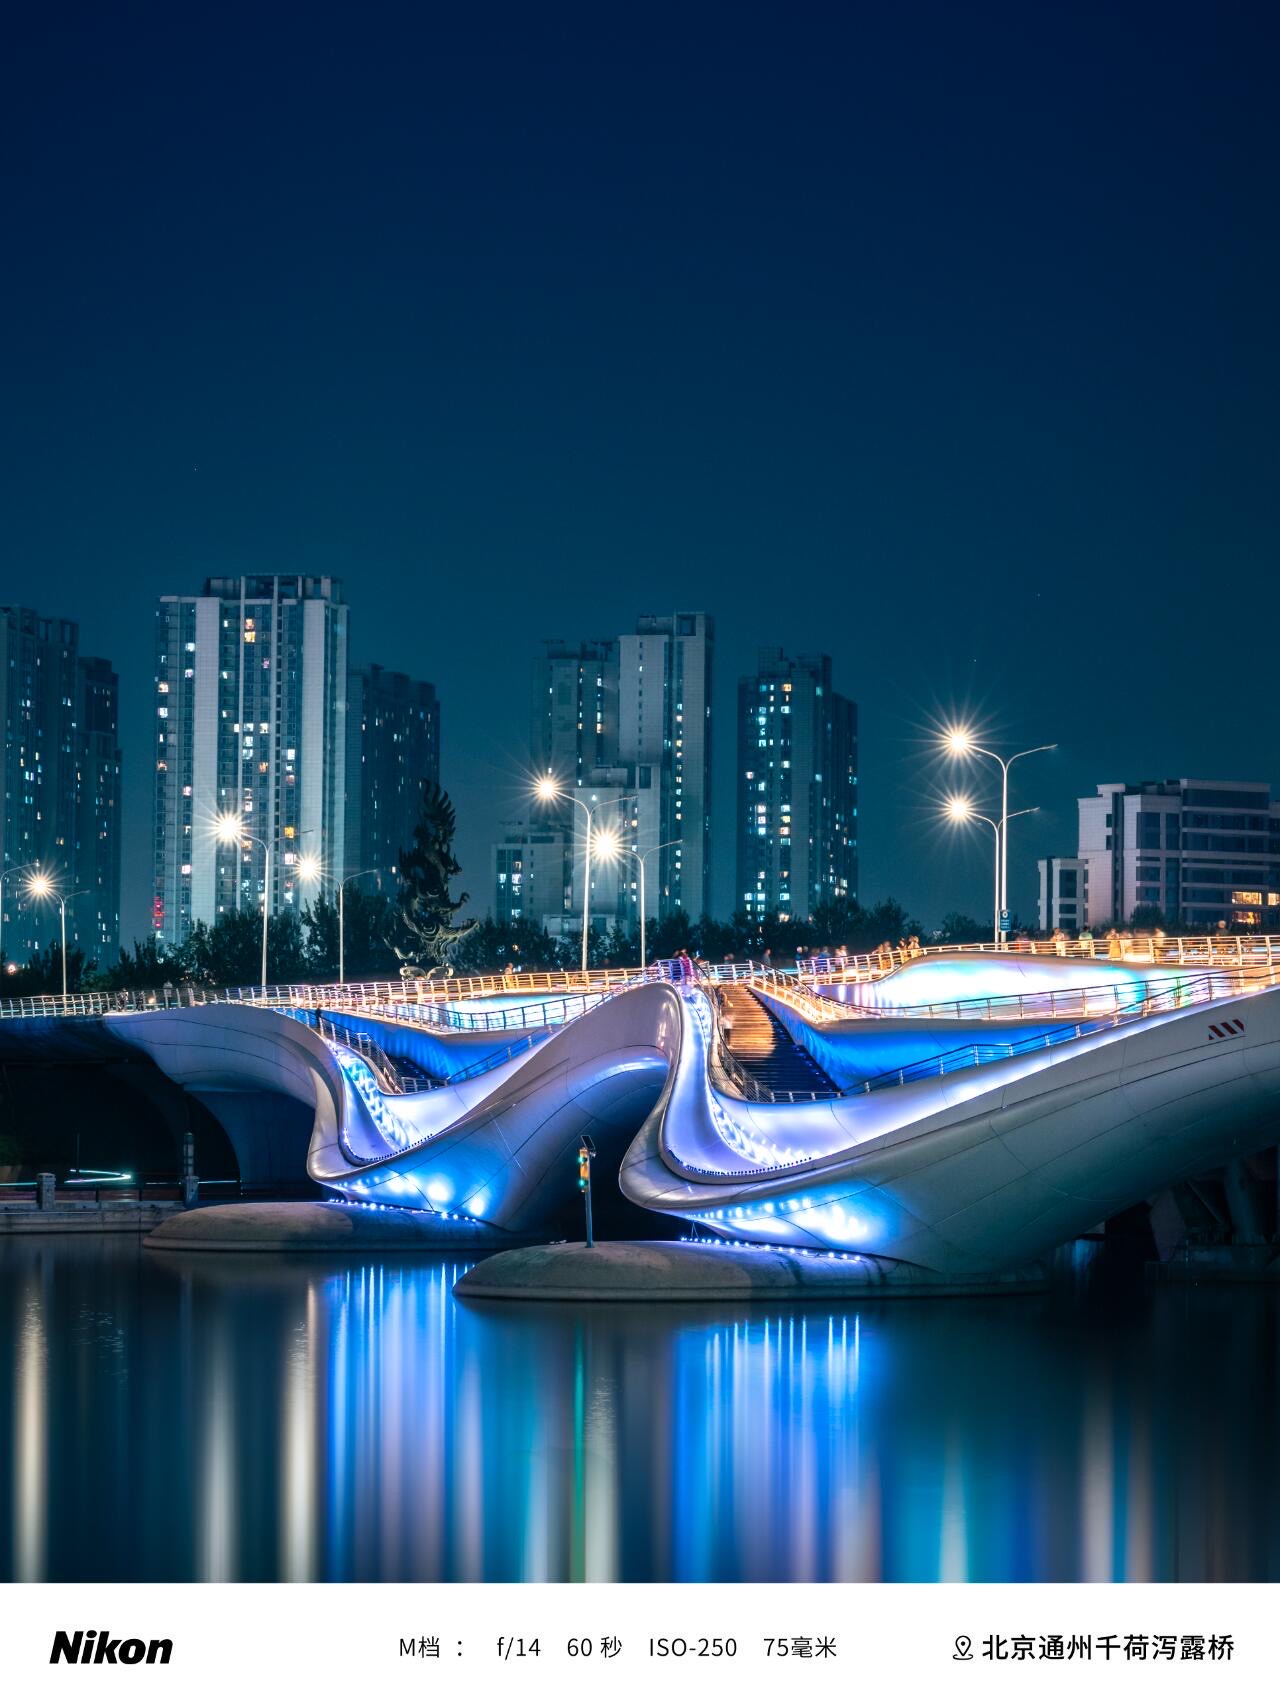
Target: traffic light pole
x=586, y=1149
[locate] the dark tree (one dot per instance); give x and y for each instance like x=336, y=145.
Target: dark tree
x=42, y=974
x=286, y=952
x=229, y=954
x=1147, y=918
x=959, y=927
x=836, y=923
x=669, y=936
x=368, y=921
x=150, y=966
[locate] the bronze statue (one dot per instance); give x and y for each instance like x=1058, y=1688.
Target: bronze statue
x=426, y=870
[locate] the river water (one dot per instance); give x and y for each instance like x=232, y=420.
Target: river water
x=241, y=1418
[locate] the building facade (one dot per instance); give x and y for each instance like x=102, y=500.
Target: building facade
x=251, y=691
x=532, y=874
x=97, y=908
x=1204, y=854
x=393, y=747
x=797, y=807
x=664, y=725
x=624, y=727
x=573, y=721
x=61, y=787
x=1064, y=894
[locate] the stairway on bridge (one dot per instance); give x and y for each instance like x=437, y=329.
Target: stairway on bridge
x=765, y=1048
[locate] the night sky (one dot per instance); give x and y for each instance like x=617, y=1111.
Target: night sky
x=941, y=338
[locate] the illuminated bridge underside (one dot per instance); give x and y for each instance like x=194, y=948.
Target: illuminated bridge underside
x=980, y=1169
x=499, y=1147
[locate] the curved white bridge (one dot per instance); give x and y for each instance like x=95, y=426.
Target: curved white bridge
x=975, y=1110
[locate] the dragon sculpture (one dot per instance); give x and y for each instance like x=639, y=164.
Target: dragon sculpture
x=426, y=870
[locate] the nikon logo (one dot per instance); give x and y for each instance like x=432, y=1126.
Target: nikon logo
x=99, y=1647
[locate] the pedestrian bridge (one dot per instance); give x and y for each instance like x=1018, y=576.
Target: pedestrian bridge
x=966, y=1110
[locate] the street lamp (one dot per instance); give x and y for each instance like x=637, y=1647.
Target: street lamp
x=370, y=871
x=42, y=888
x=17, y=871
x=548, y=788
x=229, y=828
x=611, y=845
x=960, y=743
x=960, y=810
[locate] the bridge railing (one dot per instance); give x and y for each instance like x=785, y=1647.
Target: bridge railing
x=1164, y=999
x=1084, y=1001
x=1132, y=947
x=1193, y=951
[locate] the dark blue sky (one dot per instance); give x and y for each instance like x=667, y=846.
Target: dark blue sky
x=941, y=338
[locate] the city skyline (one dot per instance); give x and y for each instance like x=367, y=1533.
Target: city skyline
x=967, y=863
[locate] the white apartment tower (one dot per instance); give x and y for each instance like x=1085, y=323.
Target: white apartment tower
x=664, y=722
x=251, y=689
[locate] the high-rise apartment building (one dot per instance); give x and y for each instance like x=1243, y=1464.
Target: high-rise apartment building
x=532, y=875
x=573, y=722
x=623, y=726
x=61, y=786
x=797, y=788
x=1204, y=854
x=393, y=747
x=251, y=691
x=97, y=908
x=664, y=722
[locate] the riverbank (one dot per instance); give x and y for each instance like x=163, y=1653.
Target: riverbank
x=126, y=1215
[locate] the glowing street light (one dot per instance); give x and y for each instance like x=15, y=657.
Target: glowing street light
x=611, y=846
x=17, y=871
x=548, y=788
x=308, y=868
x=41, y=887
x=229, y=828
x=960, y=810
x=959, y=742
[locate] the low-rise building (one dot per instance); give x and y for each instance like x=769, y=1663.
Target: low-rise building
x=1205, y=855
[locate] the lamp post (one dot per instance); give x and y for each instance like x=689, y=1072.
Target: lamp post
x=42, y=887
x=612, y=846
x=640, y=859
x=17, y=871
x=960, y=810
x=230, y=828
x=548, y=788
x=369, y=871
x=961, y=743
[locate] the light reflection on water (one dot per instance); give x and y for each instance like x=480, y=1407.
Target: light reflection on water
x=233, y=1418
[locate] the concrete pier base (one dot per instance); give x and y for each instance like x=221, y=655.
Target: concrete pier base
x=313, y=1227
x=698, y=1272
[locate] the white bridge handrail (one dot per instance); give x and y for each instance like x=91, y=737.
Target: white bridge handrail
x=1078, y=1003
x=1199, y=952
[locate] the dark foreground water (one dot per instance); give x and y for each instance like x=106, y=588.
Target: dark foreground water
x=224, y=1418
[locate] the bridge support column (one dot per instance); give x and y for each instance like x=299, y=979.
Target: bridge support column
x=190, y=1182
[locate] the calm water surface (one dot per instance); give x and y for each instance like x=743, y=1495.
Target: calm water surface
x=244, y=1418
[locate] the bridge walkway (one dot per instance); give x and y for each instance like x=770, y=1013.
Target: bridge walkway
x=764, y=1048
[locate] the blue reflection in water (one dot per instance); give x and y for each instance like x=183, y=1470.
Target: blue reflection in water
x=227, y=1419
